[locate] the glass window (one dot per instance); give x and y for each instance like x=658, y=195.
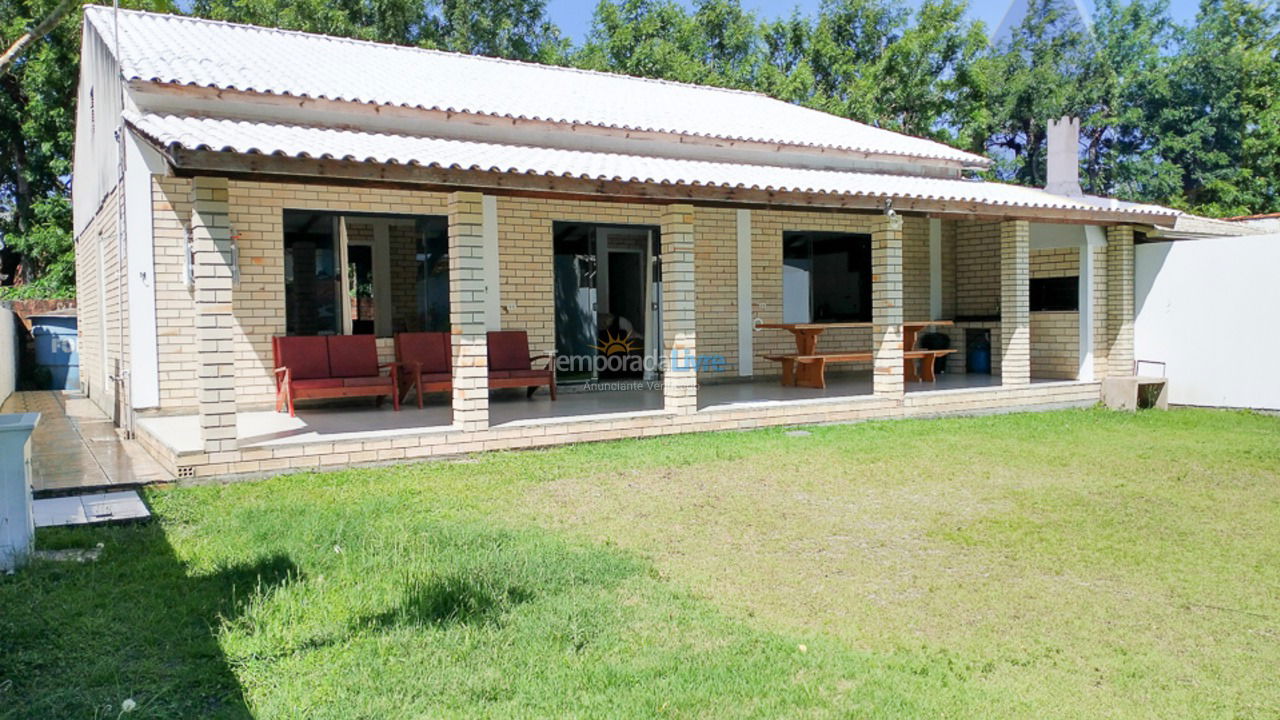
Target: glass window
x=396, y=277
x=1060, y=294
x=311, y=277
x=826, y=277
x=432, y=290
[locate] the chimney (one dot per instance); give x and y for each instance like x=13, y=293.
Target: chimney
x=1063, y=175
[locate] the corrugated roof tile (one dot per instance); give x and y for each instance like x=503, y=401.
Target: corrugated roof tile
x=181, y=50
x=248, y=137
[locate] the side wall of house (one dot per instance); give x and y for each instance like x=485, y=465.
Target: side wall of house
x=102, y=307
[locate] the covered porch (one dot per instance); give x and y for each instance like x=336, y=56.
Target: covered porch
x=695, y=292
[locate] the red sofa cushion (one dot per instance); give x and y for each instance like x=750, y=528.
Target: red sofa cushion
x=316, y=384
x=531, y=374
x=375, y=381
x=306, y=357
x=508, y=350
x=353, y=356
x=432, y=349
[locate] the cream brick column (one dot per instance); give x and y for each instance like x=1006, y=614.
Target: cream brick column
x=1119, y=301
x=1015, y=302
x=467, y=311
x=886, y=307
x=212, y=289
x=679, y=298
x=1101, y=346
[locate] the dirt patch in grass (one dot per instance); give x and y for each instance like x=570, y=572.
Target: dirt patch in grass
x=1080, y=563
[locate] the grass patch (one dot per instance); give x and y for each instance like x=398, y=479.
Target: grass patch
x=1072, y=564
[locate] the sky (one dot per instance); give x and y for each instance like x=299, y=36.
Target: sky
x=574, y=16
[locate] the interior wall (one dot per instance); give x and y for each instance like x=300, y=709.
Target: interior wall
x=1055, y=335
x=8, y=353
x=1206, y=308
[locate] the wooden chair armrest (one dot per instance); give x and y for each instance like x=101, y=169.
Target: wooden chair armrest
x=284, y=370
x=391, y=369
x=549, y=358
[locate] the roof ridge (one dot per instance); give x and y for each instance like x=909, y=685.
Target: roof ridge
x=434, y=51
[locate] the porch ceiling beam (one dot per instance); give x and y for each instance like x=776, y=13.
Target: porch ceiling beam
x=278, y=168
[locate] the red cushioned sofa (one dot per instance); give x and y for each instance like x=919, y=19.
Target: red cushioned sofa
x=426, y=362
x=332, y=366
x=511, y=365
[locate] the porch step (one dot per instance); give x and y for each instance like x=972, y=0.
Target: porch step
x=91, y=509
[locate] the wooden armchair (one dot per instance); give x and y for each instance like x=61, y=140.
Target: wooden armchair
x=426, y=362
x=511, y=365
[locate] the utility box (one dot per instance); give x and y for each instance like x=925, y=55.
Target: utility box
x=17, y=526
x=56, y=351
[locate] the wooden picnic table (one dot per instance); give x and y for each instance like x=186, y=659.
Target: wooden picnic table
x=808, y=367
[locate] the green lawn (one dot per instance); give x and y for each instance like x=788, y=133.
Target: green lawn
x=1071, y=564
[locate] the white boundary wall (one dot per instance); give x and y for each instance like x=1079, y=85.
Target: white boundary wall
x=8, y=352
x=1208, y=309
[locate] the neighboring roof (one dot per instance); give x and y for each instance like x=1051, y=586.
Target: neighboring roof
x=1246, y=218
x=172, y=132
x=1196, y=226
x=174, y=49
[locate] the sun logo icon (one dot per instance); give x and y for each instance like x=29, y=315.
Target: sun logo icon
x=614, y=344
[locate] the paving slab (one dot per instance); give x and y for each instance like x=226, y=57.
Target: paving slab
x=91, y=509
x=76, y=446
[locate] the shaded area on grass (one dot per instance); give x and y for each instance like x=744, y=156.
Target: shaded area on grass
x=80, y=638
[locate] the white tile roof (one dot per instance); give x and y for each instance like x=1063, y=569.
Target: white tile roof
x=293, y=141
x=180, y=50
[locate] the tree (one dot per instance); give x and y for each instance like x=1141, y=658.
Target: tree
x=1125, y=55
x=644, y=38
x=515, y=29
x=1033, y=78
x=37, y=126
x=1215, y=116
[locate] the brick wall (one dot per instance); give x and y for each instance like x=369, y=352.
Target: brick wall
x=767, y=227
x=715, y=237
x=103, y=306
x=1055, y=336
x=403, y=240
x=977, y=268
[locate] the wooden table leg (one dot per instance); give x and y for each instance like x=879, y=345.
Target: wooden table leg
x=926, y=368
x=812, y=374
x=788, y=372
x=908, y=370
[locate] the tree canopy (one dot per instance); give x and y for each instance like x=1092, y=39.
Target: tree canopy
x=1187, y=116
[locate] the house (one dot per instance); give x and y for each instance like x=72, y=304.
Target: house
x=666, y=243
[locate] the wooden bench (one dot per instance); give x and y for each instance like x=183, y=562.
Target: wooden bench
x=811, y=370
x=926, y=358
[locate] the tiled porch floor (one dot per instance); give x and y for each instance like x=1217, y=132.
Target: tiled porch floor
x=76, y=447
x=360, y=420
